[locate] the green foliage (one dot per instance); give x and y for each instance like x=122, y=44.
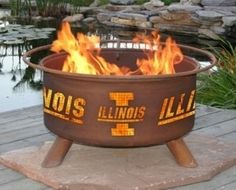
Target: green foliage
x=80, y=3
x=46, y=7
x=51, y=7
x=140, y=2
x=104, y=2
x=20, y=7
x=168, y=2
x=219, y=88
x=226, y=56
x=13, y=5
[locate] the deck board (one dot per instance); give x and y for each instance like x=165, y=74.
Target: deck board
x=31, y=141
x=17, y=135
x=23, y=184
x=217, y=183
x=219, y=129
x=24, y=127
x=7, y=175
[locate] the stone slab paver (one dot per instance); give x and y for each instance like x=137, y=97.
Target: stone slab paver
x=117, y=169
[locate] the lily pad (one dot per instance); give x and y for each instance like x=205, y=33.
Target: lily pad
x=8, y=38
x=11, y=33
x=37, y=30
x=13, y=42
x=43, y=37
x=48, y=29
x=28, y=26
x=14, y=25
x=32, y=38
x=3, y=30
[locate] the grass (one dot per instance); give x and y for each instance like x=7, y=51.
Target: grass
x=46, y=7
x=168, y=2
x=104, y=2
x=218, y=89
x=140, y=2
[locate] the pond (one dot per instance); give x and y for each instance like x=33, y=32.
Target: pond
x=20, y=85
x=18, y=88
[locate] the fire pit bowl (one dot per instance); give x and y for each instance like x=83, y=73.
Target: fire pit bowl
x=117, y=111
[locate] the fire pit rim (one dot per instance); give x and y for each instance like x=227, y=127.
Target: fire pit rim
x=196, y=70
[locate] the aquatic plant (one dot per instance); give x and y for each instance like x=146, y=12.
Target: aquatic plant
x=46, y=7
x=218, y=88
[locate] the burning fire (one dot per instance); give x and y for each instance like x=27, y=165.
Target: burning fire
x=83, y=55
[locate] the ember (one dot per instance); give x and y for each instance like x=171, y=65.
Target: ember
x=84, y=55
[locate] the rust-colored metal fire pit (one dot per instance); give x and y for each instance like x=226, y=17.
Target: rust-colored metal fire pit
x=119, y=111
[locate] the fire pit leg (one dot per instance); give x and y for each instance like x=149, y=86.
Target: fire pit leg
x=182, y=154
x=57, y=152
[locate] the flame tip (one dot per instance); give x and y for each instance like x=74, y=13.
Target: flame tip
x=81, y=59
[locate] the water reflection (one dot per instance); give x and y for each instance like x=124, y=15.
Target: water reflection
x=20, y=84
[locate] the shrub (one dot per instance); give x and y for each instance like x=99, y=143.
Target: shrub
x=46, y=7
x=168, y=2
x=104, y=2
x=219, y=87
x=140, y=2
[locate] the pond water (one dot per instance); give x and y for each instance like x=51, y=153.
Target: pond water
x=12, y=96
x=20, y=85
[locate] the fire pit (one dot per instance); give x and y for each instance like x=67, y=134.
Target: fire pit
x=119, y=111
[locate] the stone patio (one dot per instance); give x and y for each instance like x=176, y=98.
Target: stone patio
x=118, y=169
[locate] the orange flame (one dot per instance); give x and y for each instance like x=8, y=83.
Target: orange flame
x=161, y=58
x=83, y=55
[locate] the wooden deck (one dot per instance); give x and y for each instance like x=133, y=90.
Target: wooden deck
x=23, y=128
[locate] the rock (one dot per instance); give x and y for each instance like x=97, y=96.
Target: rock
x=89, y=19
x=155, y=3
x=229, y=9
x=74, y=18
x=132, y=22
x=112, y=24
x=185, y=2
x=144, y=24
x=183, y=8
x=190, y=2
x=155, y=19
x=174, y=16
x=218, y=30
x=184, y=22
x=218, y=2
x=229, y=20
x=111, y=7
x=149, y=7
x=205, y=23
x=132, y=16
x=209, y=15
x=122, y=2
x=95, y=3
x=177, y=28
x=87, y=10
x=150, y=13
x=102, y=17
x=208, y=33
